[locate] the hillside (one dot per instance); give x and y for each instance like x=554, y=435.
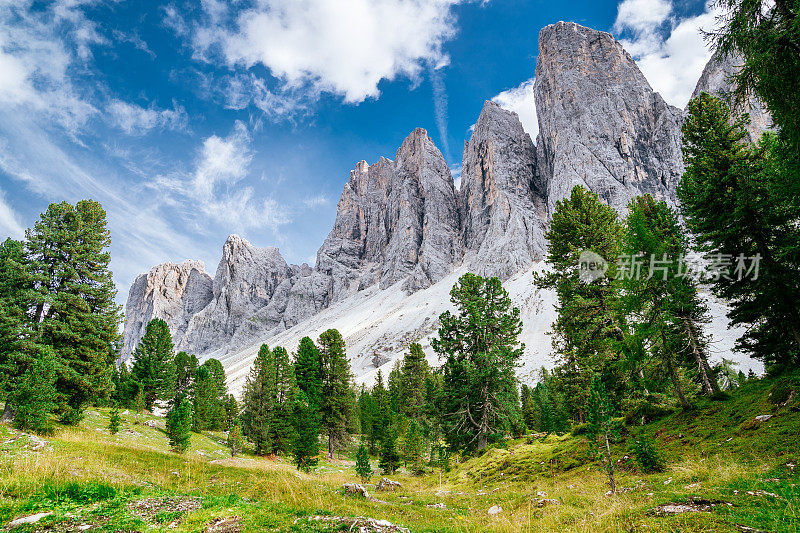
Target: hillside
x=727, y=469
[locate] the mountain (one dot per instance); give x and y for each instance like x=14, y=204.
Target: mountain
x=403, y=233
x=716, y=80
x=601, y=125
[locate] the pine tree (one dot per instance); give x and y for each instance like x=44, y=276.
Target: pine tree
x=138, y=403
x=231, y=412
x=362, y=467
x=154, y=364
x=114, y=421
x=734, y=200
x=766, y=35
x=235, y=439
x=185, y=369
x=481, y=348
x=414, y=448
x=307, y=370
x=390, y=459
x=381, y=413
x=259, y=402
x=414, y=373
x=178, y=424
x=36, y=396
x=588, y=328
x=306, y=444
x=19, y=343
x=601, y=425
x=668, y=311
x=336, y=404
x=365, y=412
x=283, y=424
x=74, y=309
x=204, y=392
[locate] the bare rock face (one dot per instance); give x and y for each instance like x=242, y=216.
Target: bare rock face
x=601, y=125
x=717, y=79
x=252, y=290
x=505, y=208
x=396, y=220
x=171, y=292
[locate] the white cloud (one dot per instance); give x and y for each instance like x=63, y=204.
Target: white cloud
x=35, y=59
x=315, y=201
x=137, y=120
x=455, y=171
x=345, y=48
x=214, y=186
x=9, y=225
x=520, y=100
x=670, y=52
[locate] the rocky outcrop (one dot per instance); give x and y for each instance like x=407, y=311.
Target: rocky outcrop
x=717, y=79
x=601, y=125
x=400, y=222
x=254, y=292
x=505, y=205
x=174, y=293
x=396, y=220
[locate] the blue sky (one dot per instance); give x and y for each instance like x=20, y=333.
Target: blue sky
x=190, y=121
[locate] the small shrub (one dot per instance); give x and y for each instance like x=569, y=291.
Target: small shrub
x=113, y=422
x=580, y=429
x=646, y=455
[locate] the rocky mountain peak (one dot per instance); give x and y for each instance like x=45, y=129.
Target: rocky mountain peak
x=504, y=204
x=601, y=125
x=717, y=79
x=172, y=292
x=395, y=220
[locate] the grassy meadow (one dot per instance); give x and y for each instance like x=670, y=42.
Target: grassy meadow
x=740, y=471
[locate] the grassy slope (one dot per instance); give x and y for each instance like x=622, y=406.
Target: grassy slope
x=88, y=477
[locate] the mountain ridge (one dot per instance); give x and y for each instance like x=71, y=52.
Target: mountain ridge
x=402, y=227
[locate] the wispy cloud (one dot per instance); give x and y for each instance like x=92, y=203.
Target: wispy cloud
x=670, y=50
x=136, y=120
x=212, y=189
x=440, y=108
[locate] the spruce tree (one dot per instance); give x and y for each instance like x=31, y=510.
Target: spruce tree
x=480, y=348
x=306, y=444
x=588, y=327
x=362, y=466
x=185, y=369
x=203, y=400
x=231, y=412
x=307, y=370
x=179, y=424
x=414, y=373
x=336, y=403
x=74, y=310
x=154, y=364
x=381, y=414
x=414, y=448
x=667, y=309
x=258, y=407
x=19, y=342
x=389, y=459
x=283, y=424
x=734, y=201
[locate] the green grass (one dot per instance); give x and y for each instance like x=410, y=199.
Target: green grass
x=132, y=482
